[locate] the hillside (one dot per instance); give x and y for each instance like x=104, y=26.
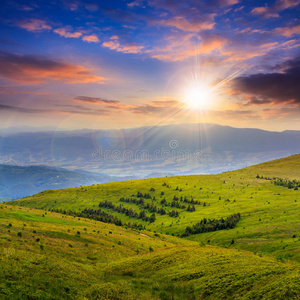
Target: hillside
x=46, y=255
x=269, y=223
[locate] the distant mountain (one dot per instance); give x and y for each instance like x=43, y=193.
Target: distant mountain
x=138, y=152
x=17, y=182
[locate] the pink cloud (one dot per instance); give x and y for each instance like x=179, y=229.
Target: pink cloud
x=114, y=44
x=265, y=11
x=229, y=2
x=35, y=25
x=135, y=3
x=90, y=38
x=273, y=10
x=189, y=25
x=181, y=46
x=288, y=31
x=66, y=32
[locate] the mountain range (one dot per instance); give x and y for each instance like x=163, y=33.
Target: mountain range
x=148, y=151
x=17, y=182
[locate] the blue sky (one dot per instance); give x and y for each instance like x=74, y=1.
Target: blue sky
x=118, y=64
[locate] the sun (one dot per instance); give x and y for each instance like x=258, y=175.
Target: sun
x=198, y=96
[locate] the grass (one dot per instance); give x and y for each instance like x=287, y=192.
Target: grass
x=47, y=255
x=269, y=222
x=62, y=257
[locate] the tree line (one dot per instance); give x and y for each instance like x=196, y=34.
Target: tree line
x=208, y=225
x=128, y=211
x=99, y=215
x=290, y=184
x=175, y=198
x=148, y=206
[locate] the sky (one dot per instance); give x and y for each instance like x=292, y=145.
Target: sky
x=76, y=64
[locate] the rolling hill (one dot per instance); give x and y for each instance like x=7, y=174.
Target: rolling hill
x=180, y=254
x=45, y=255
x=269, y=212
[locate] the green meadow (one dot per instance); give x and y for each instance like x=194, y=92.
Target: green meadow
x=45, y=253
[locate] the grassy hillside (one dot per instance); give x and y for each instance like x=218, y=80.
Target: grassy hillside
x=45, y=255
x=269, y=222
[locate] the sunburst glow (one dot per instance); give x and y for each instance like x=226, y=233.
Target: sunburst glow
x=198, y=96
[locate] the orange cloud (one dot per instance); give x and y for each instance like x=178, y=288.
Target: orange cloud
x=35, y=69
x=35, y=25
x=244, y=53
x=66, y=32
x=212, y=43
x=180, y=47
x=90, y=38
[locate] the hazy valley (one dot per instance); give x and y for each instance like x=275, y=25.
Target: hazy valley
x=156, y=151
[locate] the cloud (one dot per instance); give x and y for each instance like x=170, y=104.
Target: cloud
x=287, y=31
x=234, y=114
x=281, y=87
x=190, y=16
x=211, y=43
x=114, y=44
x=273, y=10
x=165, y=102
x=90, y=38
x=241, y=50
x=67, y=32
x=10, y=91
x=179, y=46
x=285, y=4
x=182, y=23
x=266, y=12
x=281, y=113
x=79, y=109
x=92, y=7
x=150, y=109
x=196, y=6
x=95, y=100
x=20, y=109
x=71, y=4
x=36, y=69
x=256, y=100
x=68, y=109
x=135, y=3
x=157, y=107
x=34, y=25
x=226, y=2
